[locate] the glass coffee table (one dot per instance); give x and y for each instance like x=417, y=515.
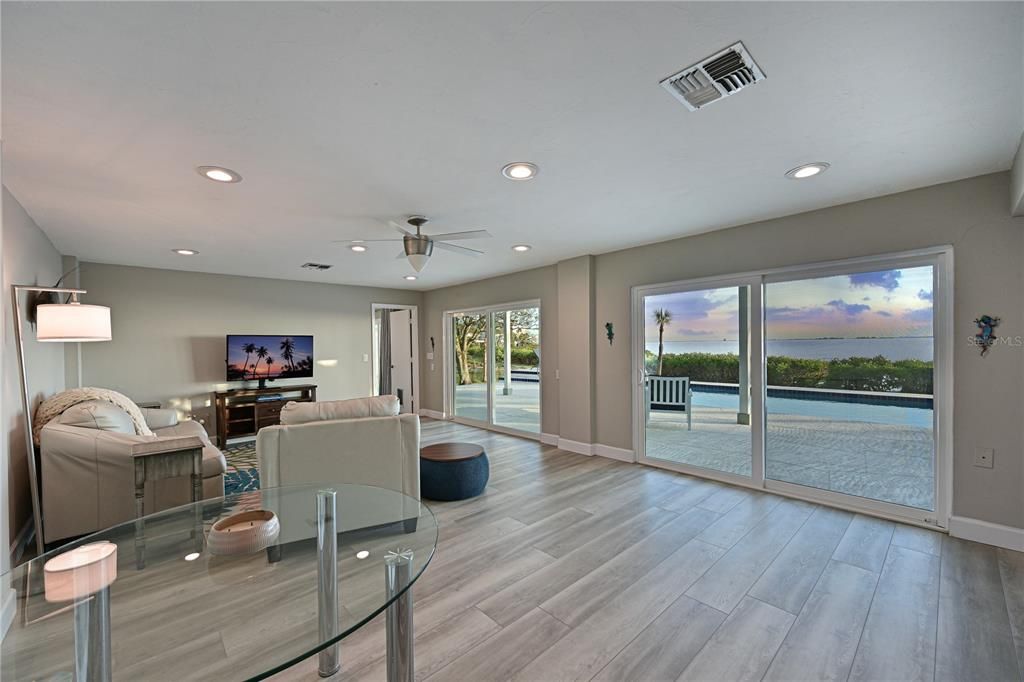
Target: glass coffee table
x=344, y=554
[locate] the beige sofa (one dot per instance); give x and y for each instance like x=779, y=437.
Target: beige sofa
x=364, y=441
x=88, y=480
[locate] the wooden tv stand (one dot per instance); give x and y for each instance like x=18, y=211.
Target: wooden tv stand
x=244, y=411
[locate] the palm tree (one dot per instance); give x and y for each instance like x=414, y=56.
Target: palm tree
x=288, y=352
x=261, y=352
x=249, y=349
x=663, y=317
x=268, y=362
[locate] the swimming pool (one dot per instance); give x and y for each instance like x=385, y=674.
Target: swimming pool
x=899, y=415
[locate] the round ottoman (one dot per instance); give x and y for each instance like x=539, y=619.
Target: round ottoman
x=453, y=471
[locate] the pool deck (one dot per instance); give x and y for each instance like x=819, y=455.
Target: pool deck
x=885, y=462
x=877, y=461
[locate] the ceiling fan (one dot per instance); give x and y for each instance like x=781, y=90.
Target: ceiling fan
x=419, y=247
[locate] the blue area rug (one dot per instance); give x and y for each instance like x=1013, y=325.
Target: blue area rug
x=242, y=474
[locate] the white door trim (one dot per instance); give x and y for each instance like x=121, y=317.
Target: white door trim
x=375, y=351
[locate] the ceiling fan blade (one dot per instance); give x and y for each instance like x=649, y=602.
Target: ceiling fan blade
x=458, y=249
x=363, y=241
x=469, y=234
x=401, y=229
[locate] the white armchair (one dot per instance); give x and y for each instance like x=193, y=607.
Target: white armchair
x=364, y=441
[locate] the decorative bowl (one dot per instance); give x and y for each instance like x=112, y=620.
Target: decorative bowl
x=246, y=532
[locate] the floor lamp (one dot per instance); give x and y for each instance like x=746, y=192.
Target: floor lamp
x=69, y=322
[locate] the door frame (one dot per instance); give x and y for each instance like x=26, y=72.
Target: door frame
x=941, y=260
x=375, y=349
x=638, y=346
x=448, y=365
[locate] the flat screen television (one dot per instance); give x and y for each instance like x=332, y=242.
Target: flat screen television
x=261, y=357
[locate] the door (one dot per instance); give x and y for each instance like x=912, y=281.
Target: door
x=831, y=382
x=402, y=358
x=515, y=390
x=694, y=385
x=469, y=378
x=851, y=385
x=494, y=367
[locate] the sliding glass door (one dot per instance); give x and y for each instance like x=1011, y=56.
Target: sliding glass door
x=469, y=369
x=851, y=381
x=494, y=366
x=696, y=378
x=830, y=382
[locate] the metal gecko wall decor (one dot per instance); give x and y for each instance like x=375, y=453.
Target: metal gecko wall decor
x=986, y=335
x=610, y=332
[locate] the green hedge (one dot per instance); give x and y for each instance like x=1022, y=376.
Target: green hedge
x=855, y=374
x=521, y=357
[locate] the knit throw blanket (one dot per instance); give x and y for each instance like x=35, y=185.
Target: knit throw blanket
x=53, y=407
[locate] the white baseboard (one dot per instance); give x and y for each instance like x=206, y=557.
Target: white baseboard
x=433, y=414
x=8, y=609
x=987, y=532
x=575, y=446
x=549, y=439
x=608, y=451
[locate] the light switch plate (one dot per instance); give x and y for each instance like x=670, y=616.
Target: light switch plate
x=430, y=356
x=984, y=457
x=366, y=358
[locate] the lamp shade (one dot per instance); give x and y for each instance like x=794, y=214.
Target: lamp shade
x=80, y=572
x=418, y=261
x=72, y=322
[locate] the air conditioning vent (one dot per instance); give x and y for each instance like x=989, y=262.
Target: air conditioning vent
x=317, y=266
x=720, y=75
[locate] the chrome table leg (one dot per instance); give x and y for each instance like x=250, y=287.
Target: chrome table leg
x=92, y=638
x=327, y=579
x=398, y=576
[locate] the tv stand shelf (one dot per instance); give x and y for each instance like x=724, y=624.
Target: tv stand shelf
x=244, y=411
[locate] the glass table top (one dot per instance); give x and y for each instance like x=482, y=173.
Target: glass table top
x=188, y=614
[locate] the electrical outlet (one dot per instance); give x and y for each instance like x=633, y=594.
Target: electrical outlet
x=984, y=457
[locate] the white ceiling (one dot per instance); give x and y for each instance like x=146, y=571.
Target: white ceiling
x=341, y=116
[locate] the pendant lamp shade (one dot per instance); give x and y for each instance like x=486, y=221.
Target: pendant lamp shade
x=418, y=261
x=72, y=323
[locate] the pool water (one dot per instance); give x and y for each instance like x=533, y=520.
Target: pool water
x=827, y=409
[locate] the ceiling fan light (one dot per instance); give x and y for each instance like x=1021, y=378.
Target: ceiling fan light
x=418, y=261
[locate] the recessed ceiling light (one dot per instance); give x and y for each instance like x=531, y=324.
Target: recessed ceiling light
x=807, y=170
x=358, y=248
x=520, y=170
x=219, y=174
x=185, y=252
x=192, y=557
x=521, y=247
x=362, y=554
x=410, y=278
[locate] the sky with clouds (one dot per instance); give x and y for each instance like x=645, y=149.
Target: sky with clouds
x=883, y=303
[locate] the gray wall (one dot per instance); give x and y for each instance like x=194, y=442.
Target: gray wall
x=28, y=258
x=988, y=245
x=971, y=214
x=169, y=327
x=538, y=283
x=576, y=357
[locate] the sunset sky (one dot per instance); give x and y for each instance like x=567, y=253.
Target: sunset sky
x=883, y=303
x=236, y=356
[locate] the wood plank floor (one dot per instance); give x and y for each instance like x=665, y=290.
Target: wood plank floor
x=576, y=568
